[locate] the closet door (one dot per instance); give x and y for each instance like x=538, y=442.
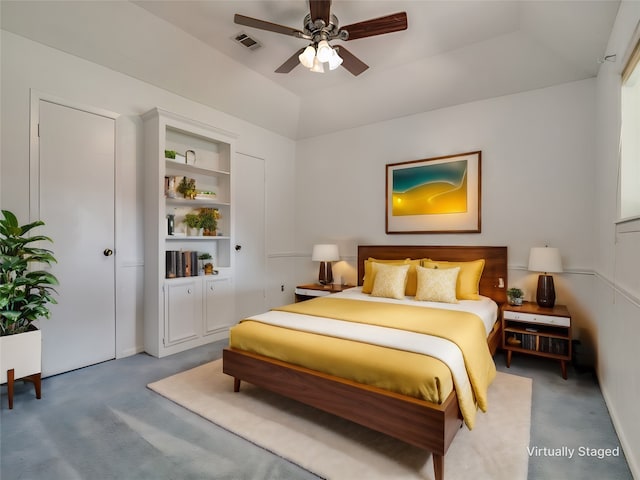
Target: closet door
x=76, y=201
x=250, y=235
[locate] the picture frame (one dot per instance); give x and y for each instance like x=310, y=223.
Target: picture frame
x=434, y=195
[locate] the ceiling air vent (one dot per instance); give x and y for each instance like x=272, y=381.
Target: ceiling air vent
x=246, y=41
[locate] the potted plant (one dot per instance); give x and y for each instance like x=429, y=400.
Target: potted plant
x=515, y=296
x=187, y=187
x=194, y=224
x=209, y=220
x=25, y=294
x=202, y=258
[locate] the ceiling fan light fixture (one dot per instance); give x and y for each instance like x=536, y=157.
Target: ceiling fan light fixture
x=318, y=66
x=324, y=51
x=308, y=56
x=335, y=61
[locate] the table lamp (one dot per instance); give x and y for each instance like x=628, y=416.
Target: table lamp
x=325, y=254
x=546, y=260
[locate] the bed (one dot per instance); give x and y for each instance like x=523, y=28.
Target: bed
x=426, y=424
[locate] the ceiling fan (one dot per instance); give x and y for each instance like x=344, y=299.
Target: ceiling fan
x=320, y=27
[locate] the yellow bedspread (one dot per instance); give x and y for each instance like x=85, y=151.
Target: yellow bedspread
x=464, y=329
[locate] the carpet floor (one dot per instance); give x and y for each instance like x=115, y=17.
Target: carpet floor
x=337, y=449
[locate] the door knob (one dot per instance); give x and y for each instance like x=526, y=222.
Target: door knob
x=238, y=248
x=107, y=252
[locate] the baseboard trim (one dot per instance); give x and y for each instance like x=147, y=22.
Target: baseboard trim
x=619, y=428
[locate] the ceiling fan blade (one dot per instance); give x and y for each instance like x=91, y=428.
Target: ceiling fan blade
x=291, y=63
x=320, y=9
x=351, y=62
x=377, y=26
x=268, y=26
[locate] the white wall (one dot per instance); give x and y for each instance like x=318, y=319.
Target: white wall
x=617, y=254
x=28, y=65
x=537, y=183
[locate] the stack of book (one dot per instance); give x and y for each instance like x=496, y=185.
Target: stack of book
x=181, y=263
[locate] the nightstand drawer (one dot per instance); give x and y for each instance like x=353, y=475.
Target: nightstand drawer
x=533, y=318
x=312, y=293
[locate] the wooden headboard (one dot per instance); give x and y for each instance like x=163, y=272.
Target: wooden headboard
x=495, y=267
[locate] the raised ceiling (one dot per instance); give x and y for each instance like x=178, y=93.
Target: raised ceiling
x=453, y=52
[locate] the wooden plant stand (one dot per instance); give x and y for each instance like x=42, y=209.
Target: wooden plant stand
x=36, y=379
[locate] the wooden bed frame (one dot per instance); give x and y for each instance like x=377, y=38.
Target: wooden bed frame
x=426, y=425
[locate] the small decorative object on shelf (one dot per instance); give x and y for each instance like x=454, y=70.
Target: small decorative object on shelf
x=202, y=258
x=515, y=296
x=187, y=187
x=209, y=220
x=194, y=224
x=171, y=223
x=190, y=157
x=170, y=154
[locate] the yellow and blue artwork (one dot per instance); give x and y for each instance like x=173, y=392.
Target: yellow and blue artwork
x=431, y=189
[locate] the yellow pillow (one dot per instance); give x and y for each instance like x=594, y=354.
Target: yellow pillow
x=412, y=277
x=437, y=284
x=370, y=271
x=468, y=284
x=390, y=281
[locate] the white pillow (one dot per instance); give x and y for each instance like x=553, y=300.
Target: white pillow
x=390, y=281
x=437, y=284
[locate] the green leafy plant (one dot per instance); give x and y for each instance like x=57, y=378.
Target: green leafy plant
x=209, y=219
x=193, y=220
x=170, y=154
x=187, y=187
x=515, y=292
x=24, y=293
x=204, y=256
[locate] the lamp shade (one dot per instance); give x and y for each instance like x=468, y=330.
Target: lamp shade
x=324, y=51
x=545, y=259
x=307, y=56
x=325, y=253
x=335, y=61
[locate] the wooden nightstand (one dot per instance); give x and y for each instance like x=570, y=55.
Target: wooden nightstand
x=544, y=332
x=312, y=290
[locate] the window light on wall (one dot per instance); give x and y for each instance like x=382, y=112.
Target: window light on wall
x=629, y=175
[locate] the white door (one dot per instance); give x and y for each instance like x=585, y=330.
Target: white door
x=76, y=202
x=249, y=174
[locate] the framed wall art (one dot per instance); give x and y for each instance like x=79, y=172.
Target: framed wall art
x=434, y=195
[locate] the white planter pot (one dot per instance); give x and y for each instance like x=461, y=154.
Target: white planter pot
x=22, y=352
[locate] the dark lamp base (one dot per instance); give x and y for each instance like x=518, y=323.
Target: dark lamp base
x=546, y=293
x=325, y=275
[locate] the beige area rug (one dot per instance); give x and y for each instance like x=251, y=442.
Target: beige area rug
x=337, y=449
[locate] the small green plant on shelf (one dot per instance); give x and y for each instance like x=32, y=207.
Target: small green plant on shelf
x=170, y=154
x=187, y=187
x=515, y=296
x=209, y=220
x=193, y=220
x=204, y=263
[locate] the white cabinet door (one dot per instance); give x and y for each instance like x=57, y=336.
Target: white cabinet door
x=219, y=304
x=183, y=311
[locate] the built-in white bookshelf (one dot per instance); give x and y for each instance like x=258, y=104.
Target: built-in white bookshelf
x=184, y=307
